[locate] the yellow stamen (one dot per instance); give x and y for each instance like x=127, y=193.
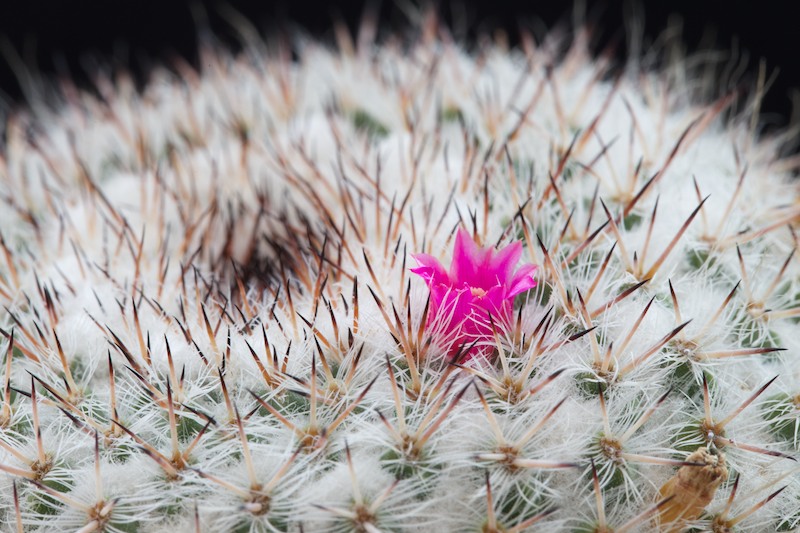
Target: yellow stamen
x=477, y=292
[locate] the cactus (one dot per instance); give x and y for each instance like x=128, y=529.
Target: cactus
x=210, y=320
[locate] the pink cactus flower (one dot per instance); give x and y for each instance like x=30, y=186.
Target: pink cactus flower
x=481, y=282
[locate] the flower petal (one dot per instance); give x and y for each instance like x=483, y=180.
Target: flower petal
x=492, y=300
x=523, y=280
x=467, y=258
x=504, y=262
x=430, y=269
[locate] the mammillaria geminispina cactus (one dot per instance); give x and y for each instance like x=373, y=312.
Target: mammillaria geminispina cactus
x=211, y=322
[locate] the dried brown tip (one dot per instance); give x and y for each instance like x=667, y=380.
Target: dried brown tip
x=692, y=488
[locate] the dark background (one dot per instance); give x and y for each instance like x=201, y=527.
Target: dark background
x=59, y=35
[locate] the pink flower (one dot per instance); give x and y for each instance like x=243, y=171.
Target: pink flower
x=480, y=283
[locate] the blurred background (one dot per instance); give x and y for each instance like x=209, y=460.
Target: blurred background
x=62, y=37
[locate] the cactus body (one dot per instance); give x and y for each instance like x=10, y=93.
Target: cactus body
x=209, y=322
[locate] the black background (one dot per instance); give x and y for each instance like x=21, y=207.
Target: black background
x=60, y=35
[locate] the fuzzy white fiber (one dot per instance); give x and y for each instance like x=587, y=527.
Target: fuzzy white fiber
x=215, y=327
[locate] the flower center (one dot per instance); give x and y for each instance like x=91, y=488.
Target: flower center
x=477, y=292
